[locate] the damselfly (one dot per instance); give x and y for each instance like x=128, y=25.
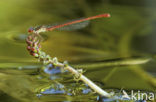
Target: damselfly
x=75, y=24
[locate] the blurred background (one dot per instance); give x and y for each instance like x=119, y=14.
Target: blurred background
x=117, y=52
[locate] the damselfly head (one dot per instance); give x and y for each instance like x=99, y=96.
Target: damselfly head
x=30, y=30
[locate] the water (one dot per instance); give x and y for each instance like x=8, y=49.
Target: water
x=117, y=53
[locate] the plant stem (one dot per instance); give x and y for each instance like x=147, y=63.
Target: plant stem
x=85, y=80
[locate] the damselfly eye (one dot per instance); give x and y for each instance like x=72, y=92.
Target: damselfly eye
x=30, y=30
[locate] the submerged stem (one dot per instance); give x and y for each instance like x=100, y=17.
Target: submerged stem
x=86, y=81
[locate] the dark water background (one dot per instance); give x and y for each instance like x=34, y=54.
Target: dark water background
x=111, y=50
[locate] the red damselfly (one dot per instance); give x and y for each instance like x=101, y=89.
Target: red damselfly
x=75, y=24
